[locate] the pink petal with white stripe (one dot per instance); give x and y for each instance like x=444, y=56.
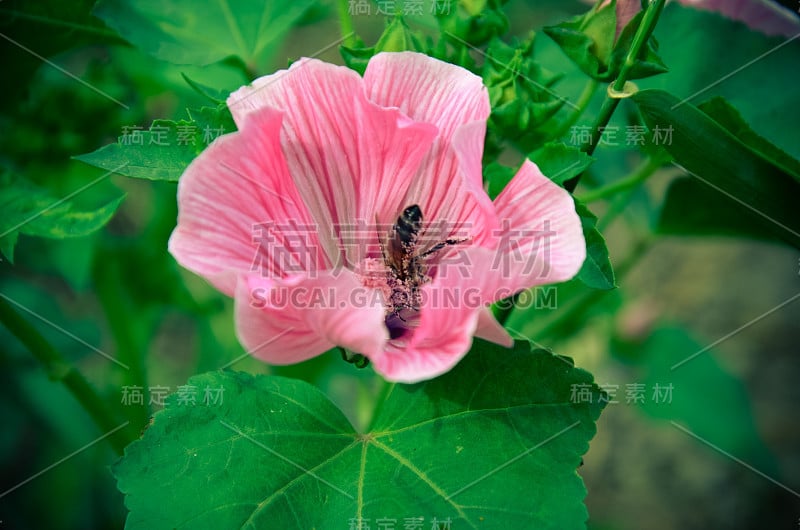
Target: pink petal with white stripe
x=457, y=102
x=439, y=337
x=350, y=158
x=540, y=240
x=284, y=321
x=237, y=183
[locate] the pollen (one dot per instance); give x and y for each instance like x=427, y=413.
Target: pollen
x=400, y=295
x=374, y=273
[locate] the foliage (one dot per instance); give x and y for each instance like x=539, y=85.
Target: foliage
x=483, y=418
x=494, y=443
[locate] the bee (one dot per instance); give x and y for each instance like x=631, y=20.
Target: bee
x=402, y=244
x=405, y=261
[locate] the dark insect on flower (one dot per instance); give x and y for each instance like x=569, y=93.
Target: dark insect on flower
x=407, y=267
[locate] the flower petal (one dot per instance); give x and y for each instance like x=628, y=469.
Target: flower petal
x=490, y=329
x=238, y=183
x=290, y=320
x=351, y=159
x=538, y=219
x=427, y=90
x=473, y=209
x=540, y=241
x=447, y=322
x=457, y=102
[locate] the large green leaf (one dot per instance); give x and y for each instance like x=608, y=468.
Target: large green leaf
x=726, y=115
x=495, y=443
x=749, y=69
x=183, y=32
x=30, y=210
x=166, y=148
x=723, y=162
x=692, y=208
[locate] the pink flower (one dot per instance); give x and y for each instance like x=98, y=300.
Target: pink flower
x=292, y=216
x=765, y=16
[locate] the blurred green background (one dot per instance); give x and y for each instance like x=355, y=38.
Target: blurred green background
x=118, y=292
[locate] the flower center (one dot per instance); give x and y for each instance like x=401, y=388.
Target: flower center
x=401, y=292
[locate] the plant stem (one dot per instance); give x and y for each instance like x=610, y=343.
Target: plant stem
x=59, y=369
x=646, y=27
x=346, y=23
x=129, y=330
x=639, y=175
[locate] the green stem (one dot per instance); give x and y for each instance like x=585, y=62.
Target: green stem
x=129, y=331
x=580, y=107
x=643, y=33
x=639, y=175
x=59, y=369
x=346, y=23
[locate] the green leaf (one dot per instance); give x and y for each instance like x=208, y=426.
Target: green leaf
x=33, y=211
x=163, y=151
x=726, y=115
x=213, y=95
x=495, y=443
x=60, y=224
x=692, y=208
x=719, y=159
x=596, y=271
x=560, y=162
x=747, y=69
x=587, y=39
x=182, y=32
